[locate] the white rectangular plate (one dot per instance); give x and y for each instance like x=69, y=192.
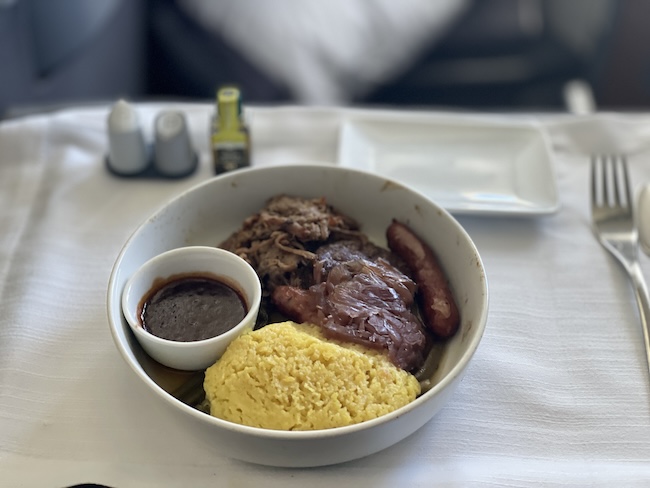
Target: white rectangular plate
x=466, y=166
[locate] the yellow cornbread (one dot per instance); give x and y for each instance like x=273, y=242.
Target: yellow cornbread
x=286, y=376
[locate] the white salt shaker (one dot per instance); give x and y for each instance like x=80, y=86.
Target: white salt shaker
x=127, y=152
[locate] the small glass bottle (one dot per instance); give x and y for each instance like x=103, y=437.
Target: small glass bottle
x=230, y=139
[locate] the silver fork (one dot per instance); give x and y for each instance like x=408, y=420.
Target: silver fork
x=613, y=221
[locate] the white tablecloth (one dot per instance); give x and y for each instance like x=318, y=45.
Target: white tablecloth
x=557, y=393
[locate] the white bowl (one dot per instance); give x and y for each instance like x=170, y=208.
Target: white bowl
x=223, y=265
x=211, y=211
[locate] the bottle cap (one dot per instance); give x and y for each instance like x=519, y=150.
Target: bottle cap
x=229, y=106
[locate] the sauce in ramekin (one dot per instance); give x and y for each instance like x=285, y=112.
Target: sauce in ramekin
x=191, y=307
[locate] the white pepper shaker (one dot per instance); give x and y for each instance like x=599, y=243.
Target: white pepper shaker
x=173, y=153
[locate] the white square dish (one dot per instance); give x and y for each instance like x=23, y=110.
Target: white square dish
x=466, y=166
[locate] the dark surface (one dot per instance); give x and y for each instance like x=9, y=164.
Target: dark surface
x=150, y=50
x=41, y=69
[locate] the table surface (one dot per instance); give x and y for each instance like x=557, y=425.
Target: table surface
x=557, y=394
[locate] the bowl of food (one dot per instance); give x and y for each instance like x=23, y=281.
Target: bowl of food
x=186, y=305
x=374, y=302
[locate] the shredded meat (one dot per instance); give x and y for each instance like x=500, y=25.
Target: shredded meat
x=280, y=241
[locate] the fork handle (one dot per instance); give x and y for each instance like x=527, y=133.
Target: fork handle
x=641, y=293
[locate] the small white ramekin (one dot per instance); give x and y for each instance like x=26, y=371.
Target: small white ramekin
x=196, y=355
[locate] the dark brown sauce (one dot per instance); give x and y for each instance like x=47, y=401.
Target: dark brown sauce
x=191, y=307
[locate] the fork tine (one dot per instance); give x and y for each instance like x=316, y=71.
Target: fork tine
x=598, y=181
x=594, y=181
x=626, y=180
x=620, y=182
x=613, y=195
